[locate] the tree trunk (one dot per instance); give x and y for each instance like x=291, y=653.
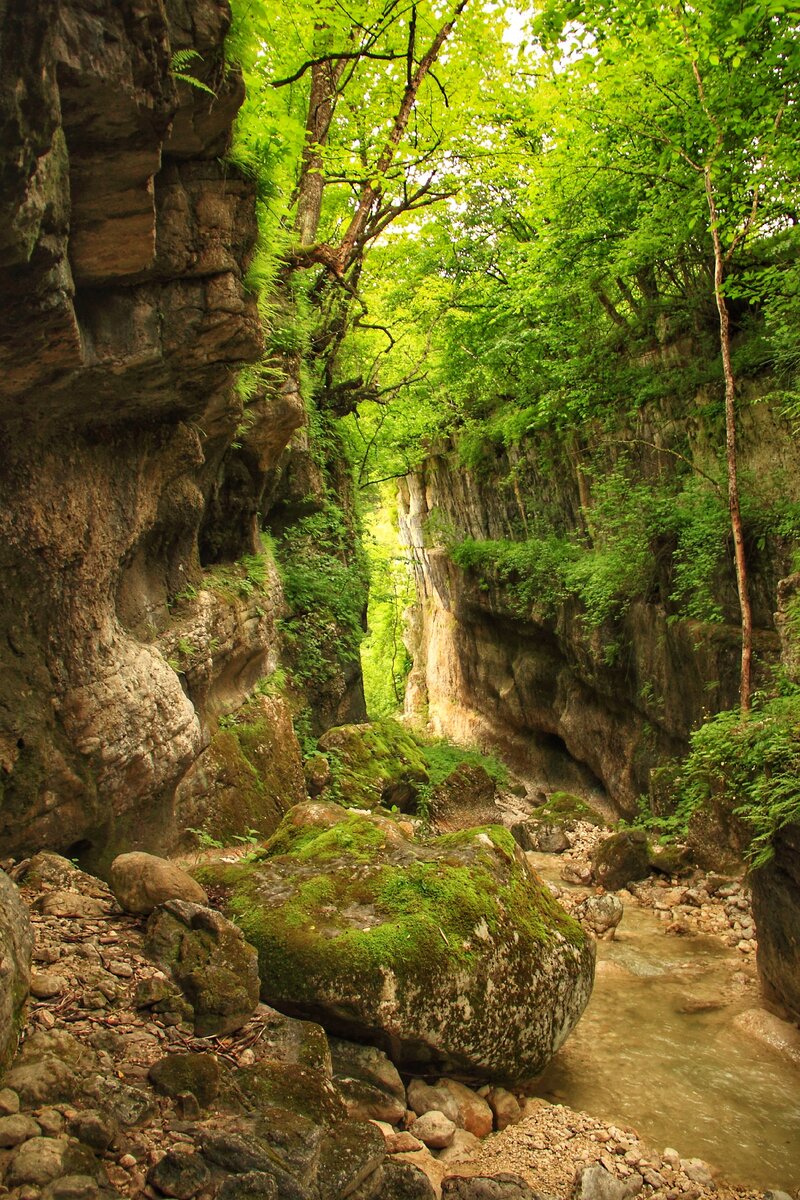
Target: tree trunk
x=325, y=78
x=745, y=685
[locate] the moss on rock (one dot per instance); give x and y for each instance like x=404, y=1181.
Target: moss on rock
x=372, y=764
x=563, y=807
x=452, y=953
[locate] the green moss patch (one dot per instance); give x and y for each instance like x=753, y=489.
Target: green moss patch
x=372, y=764
x=360, y=927
x=564, y=806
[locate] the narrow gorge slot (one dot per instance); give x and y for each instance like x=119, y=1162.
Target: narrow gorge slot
x=400, y=600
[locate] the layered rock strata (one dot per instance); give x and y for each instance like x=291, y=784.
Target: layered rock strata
x=578, y=707
x=123, y=317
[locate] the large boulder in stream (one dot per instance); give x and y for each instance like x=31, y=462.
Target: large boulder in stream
x=451, y=955
x=621, y=859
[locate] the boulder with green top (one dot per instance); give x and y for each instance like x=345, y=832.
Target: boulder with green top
x=621, y=859
x=564, y=808
x=450, y=955
x=376, y=763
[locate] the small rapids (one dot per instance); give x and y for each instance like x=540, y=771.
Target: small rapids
x=658, y=1049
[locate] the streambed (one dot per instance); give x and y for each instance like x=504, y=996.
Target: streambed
x=657, y=1049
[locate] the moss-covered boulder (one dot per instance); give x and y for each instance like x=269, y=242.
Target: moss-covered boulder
x=564, y=808
x=451, y=955
x=209, y=960
x=248, y=777
x=621, y=859
x=376, y=763
x=464, y=799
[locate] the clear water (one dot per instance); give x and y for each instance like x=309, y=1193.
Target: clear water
x=690, y=1080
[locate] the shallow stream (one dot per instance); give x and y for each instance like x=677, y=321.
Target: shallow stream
x=657, y=1050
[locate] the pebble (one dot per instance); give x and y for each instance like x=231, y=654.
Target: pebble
x=121, y=969
x=16, y=1129
x=51, y=1121
x=9, y=1102
x=46, y=985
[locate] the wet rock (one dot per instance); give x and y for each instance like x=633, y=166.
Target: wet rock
x=464, y=1107
x=596, y=1183
x=73, y=1187
x=303, y=1090
x=253, y=1185
x=210, y=961
x=179, y=1174
x=369, y=1081
x=94, y=1129
x=16, y=1129
x=37, y=1161
x=601, y=914
x=177, y=1074
x=621, y=859
x=405, y=1181
x=16, y=946
x=434, y=1129
x=576, y=873
x=351, y=1154
x=771, y=1031
x=475, y=937
x=543, y=836
x=461, y=1147
x=505, y=1107
x=698, y=1171
x=9, y=1102
x=141, y=881
x=466, y=798
x=503, y=1186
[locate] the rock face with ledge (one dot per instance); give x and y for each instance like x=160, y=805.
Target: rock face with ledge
x=452, y=956
x=127, y=627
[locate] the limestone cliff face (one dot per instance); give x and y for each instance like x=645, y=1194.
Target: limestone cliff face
x=124, y=237
x=545, y=687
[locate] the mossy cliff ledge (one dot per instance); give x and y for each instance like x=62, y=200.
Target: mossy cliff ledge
x=451, y=955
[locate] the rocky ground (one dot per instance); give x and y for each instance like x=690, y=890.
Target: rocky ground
x=112, y=1093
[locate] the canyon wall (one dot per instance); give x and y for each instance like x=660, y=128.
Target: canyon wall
x=138, y=608
x=573, y=704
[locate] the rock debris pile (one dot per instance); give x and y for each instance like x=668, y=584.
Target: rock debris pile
x=112, y=1093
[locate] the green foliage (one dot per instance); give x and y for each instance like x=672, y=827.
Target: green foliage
x=442, y=758
x=324, y=582
x=751, y=761
x=180, y=62
x=385, y=660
